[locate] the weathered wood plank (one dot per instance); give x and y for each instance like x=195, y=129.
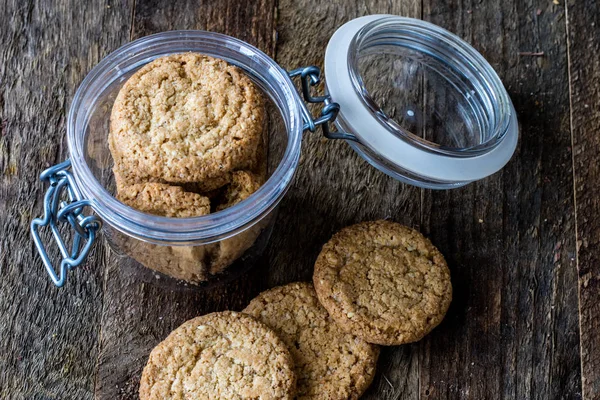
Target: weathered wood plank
x=48, y=337
x=584, y=47
x=512, y=330
x=137, y=315
x=334, y=187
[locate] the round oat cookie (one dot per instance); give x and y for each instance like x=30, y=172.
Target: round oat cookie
x=384, y=282
x=330, y=363
x=164, y=200
x=186, y=118
x=223, y=355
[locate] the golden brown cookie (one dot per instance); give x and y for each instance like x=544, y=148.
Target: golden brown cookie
x=242, y=185
x=164, y=200
x=225, y=355
x=188, y=263
x=181, y=262
x=330, y=363
x=186, y=118
x=384, y=282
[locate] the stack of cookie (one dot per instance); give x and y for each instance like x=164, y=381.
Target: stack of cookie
x=187, y=138
x=376, y=283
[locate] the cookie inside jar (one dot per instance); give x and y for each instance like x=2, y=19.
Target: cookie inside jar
x=186, y=135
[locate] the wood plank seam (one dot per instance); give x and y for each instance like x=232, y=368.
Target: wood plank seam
x=571, y=125
x=584, y=71
x=131, y=28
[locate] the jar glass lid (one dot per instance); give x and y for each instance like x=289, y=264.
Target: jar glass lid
x=425, y=106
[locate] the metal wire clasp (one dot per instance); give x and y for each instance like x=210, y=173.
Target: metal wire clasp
x=58, y=211
x=311, y=76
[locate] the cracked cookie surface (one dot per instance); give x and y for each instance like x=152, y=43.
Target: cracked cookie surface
x=330, y=363
x=224, y=355
x=384, y=282
x=186, y=118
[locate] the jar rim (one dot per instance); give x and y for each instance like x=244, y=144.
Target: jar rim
x=400, y=156
x=202, y=229
x=430, y=38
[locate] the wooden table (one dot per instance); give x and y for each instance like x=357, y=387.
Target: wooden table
x=523, y=245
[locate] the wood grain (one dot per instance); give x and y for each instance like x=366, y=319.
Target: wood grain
x=334, y=187
x=48, y=336
x=584, y=47
x=512, y=330
x=137, y=315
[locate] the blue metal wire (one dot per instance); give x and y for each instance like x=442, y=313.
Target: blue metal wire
x=311, y=76
x=56, y=212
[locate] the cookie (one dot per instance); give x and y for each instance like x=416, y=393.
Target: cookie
x=242, y=185
x=330, y=363
x=384, y=282
x=186, y=118
x=224, y=355
x=193, y=264
x=164, y=200
x=188, y=263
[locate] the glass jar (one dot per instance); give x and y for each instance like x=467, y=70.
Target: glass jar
x=414, y=100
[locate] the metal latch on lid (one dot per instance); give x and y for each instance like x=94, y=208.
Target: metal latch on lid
x=311, y=76
x=57, y=211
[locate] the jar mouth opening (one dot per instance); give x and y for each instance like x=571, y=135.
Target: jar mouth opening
x=263, y=70
x=483, y=94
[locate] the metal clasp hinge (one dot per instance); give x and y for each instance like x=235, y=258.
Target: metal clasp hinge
x=59, y=211
x=311, y=76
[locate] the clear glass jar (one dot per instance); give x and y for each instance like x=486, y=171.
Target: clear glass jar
x=176, y=246
x=414, y=100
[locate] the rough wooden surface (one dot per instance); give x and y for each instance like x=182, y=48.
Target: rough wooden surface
x=584, y=48
x=512, y=331
x=48, y=336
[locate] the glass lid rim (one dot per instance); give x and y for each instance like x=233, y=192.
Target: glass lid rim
x=203, y=228
x=427, y=29
x=404, y=152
